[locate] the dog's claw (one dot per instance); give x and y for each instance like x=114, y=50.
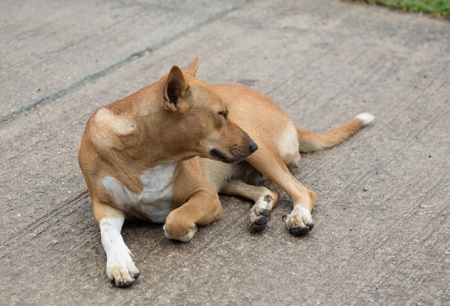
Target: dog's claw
x=135, y=275
x=123, y=283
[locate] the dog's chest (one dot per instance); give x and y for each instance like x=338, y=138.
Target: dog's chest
x=154, y=202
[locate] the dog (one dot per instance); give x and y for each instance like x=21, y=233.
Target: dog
x=164, y=153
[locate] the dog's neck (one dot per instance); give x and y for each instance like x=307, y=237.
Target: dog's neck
x=150, y=134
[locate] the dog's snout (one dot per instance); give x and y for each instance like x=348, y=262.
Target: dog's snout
x=253, y=147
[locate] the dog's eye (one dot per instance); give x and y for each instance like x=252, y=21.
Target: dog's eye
x=224, y=114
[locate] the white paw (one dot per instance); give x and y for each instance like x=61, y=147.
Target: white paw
x=184, y=238
x=299, y=222
x=366, y=118
x=121, y=270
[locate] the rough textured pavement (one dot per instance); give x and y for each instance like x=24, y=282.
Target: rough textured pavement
x=382, y=218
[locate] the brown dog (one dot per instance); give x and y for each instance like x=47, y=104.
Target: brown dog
x=165, y=152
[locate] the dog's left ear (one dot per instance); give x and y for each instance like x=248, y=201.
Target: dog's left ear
x=175, y=89
x=192, y=67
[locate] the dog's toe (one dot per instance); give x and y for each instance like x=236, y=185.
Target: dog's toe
x=259, y=224
x=258, y=220
x=299, y=222
x=122, y=283
x=261, y=221
x=300, y=231
x=122, y=271
x=135, y=275
x=124, y=280
x=266, y=213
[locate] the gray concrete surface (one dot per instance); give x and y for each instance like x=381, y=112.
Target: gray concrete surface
x=382, y=219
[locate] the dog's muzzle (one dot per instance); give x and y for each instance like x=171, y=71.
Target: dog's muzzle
x=239, y=153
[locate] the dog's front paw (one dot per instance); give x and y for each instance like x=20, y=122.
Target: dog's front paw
x=121, y=270
x=179, y=227
x=184, y=238
x=299, y=222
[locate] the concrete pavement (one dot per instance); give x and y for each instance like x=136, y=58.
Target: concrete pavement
x=382, y=218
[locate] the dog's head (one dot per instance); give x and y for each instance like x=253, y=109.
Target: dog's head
x=202, y=118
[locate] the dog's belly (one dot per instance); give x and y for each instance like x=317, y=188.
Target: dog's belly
x=154, y=202
x=219, y=174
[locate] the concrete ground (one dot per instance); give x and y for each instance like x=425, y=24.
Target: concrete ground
x=381, y=230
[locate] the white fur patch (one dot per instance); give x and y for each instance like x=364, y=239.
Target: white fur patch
x=288, y=145
x=366, y=118
x=304, y=212
x=119, y=194
x=262, y=203
x=155, y=199
x=120, y=125
x=112, y=239
x=157, y=183
x=299, y=214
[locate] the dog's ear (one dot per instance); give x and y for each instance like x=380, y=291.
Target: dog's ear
x=192, y=67
x=175, y=89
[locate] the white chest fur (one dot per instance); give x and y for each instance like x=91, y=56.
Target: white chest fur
x=155, y=199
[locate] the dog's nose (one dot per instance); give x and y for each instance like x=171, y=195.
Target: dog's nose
x=253, y=147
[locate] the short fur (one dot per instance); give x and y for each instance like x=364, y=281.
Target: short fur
x=166, y=151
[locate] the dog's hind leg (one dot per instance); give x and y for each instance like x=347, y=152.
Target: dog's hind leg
x=120, y=267
x=299, y=222
x=264, y=199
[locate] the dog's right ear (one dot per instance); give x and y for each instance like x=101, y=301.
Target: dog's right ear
x=192, y=67
x=175, y=89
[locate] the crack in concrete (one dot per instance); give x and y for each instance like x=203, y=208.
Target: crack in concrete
x=112, y=68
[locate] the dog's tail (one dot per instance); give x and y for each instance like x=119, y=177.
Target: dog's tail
x=310, y=141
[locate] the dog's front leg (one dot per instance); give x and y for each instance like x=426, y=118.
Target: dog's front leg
x=120, y=267
x=203, y=207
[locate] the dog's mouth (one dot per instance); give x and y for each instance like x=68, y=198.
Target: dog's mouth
x=216, y=154
x=238, y=154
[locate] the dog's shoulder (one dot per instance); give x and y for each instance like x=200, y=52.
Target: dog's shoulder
x=109, y=130
x=120, y=125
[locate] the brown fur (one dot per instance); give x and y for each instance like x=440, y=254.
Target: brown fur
x=180, y=118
